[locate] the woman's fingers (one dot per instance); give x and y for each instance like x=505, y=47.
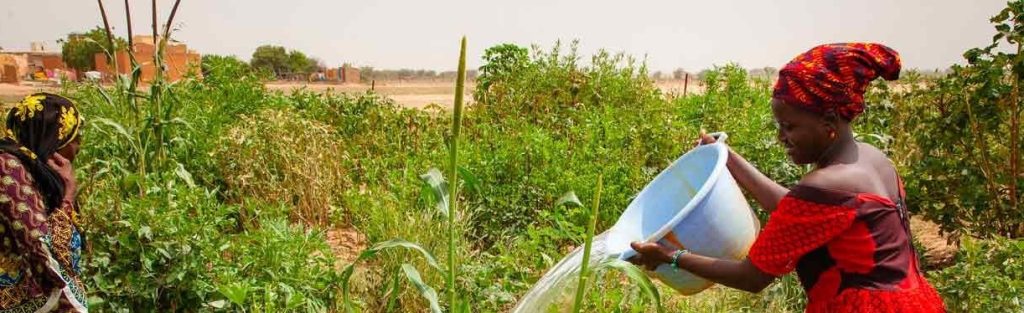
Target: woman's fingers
x=61, y=160
x=646, y=263
x=649, y=255
x=705, y=139
x=636, y=259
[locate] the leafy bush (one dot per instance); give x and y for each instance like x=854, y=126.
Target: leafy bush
x=988, y=277
x=161, y=237
x=963, y=133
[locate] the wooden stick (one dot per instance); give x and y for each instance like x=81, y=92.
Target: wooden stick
x=106, y=26
x=128, y=16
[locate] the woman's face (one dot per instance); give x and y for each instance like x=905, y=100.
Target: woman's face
x=805, y=135
x=71, y=150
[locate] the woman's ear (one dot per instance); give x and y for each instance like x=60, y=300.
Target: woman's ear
x=831, y=121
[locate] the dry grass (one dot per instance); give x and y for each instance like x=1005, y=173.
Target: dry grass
x=276, y=156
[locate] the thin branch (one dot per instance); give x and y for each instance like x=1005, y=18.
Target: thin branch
x=1014, y=140
x=986, y=166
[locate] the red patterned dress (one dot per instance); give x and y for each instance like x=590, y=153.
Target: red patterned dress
x=852, y=252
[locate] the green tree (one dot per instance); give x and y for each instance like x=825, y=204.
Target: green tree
x=299, y=63
x=282, y=62
x=79, y=49
x=272, y=58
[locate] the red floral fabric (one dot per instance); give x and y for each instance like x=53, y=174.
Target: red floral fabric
x=833, y=77
x=852, y=252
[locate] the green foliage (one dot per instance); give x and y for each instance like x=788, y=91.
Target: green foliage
x=963, y=136
x=988, y=277
x=171, y=228
x=79, y=49
x=299, y=63
x=161, y=235
x=272, y=58
x=501, y=63
x=413, y=275
x=212, y=64
x=637, y=277
x=737, y=104
x=277, y=60
x=588, y=239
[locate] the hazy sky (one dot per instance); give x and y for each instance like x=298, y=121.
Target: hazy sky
x=424, y=34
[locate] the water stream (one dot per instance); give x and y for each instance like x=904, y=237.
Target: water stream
x=560, y=282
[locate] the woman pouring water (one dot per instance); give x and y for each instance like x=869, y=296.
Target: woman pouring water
x=844, y=227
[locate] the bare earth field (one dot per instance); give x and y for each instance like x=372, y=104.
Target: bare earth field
x=415, y=94
x=13, y=93
x=407, y=94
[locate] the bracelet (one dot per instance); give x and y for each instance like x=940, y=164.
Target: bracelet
x=675, y=257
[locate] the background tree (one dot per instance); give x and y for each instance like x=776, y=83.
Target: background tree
x=271, y=58
x=679, y=73
x=79, y=49
x=299, y=63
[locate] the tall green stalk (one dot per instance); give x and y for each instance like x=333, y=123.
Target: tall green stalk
x=453, y=172
x=585, y=267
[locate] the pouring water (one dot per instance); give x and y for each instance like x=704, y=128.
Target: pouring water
x=695, y=203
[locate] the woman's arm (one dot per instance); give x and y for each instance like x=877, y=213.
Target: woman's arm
x=765, y=190
x=736, y=274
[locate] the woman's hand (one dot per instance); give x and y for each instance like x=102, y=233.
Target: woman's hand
x=705, y=139
x=66, y=171
x=650, y=254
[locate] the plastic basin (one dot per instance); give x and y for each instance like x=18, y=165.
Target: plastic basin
x=694, y=203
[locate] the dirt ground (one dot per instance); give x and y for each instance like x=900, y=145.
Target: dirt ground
x=14, y=93
x=409, y=94
x=420, y=94
x=346, y=243
x=938, y=252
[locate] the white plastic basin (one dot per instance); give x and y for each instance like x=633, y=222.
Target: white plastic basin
x=694, y=203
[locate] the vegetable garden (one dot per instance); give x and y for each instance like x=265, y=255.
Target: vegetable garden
x=216, y=194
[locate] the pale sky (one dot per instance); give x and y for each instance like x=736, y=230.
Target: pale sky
x=425, y=34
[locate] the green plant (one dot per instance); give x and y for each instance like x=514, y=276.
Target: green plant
x=589, y=241
x=453, y=167
x=969, y=121
x=411, y=273
x=988, y=277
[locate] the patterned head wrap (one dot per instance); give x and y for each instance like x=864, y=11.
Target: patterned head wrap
x=834, y=77
x=37, y=127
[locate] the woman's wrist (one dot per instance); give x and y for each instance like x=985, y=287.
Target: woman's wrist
x=70, y=192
